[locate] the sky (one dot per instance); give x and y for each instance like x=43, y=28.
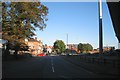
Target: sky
x=80, y=21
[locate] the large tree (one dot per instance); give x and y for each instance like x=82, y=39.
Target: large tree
x=59, y=46
x=20, y=20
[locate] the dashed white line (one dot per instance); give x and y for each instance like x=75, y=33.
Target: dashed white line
x=52, y=65
x=53, y=69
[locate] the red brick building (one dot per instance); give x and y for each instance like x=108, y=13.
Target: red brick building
x=35, y=46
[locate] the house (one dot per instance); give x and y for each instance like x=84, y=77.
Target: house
x=35, y=46
x=49, y=49
x=73, y=47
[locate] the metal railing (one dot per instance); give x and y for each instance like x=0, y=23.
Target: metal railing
x=108, y=61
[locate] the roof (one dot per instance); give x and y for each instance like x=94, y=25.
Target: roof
x=33, y=40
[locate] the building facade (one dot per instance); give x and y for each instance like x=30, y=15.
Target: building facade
x=72, y=47
x=108, y=48
x=35, y=46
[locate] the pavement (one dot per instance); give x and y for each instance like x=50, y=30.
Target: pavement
x=47, y=67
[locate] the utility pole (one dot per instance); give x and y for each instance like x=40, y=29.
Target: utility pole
x=67, y=41
x=100, y=27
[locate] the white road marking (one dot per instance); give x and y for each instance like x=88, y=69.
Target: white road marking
x=52, y=65
x=53, y=69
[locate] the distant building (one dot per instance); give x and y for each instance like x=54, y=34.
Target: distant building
x=108, y=48
x=35, y=46
x=73, y=47
x=49, y=49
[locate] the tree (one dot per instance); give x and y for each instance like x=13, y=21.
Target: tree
x=89, y=47
x=80, y=47
x=59, y=46
x=20, y=20
x=85, y=47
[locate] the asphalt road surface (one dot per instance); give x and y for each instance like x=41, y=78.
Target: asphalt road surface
x=46, y=67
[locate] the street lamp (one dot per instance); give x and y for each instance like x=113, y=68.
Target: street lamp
x=67, y=41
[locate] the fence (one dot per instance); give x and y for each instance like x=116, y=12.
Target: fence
x=111, y=61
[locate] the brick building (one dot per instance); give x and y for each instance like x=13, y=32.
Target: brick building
x=35, y=46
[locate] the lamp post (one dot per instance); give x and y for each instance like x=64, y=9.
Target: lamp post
x=67, y=41
x=100, y=27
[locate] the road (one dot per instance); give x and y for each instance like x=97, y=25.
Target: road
x=46, y=67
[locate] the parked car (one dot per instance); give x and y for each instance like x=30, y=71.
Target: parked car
x=41, y=54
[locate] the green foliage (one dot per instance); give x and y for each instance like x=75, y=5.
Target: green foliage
x=59, y=46
x=80, y=47
x=85, y=47
x=20, y=20
x=89, y=47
